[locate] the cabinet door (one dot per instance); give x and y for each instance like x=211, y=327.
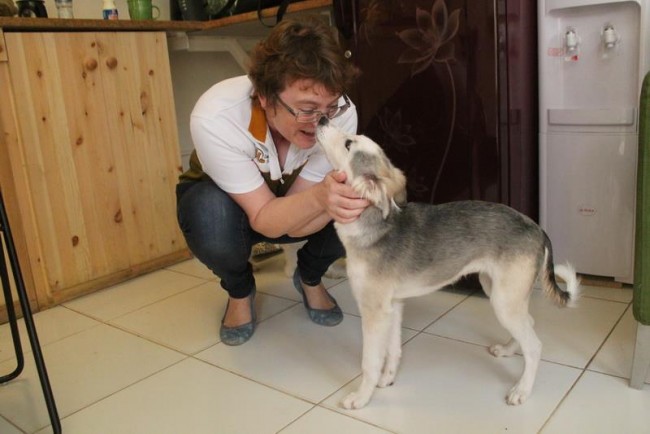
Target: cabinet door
x=99, y=147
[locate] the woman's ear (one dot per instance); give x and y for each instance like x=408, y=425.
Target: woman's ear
x=263, y=101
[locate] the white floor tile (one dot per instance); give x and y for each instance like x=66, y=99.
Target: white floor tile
x=190, y=397
x=292, y=354
x=111, y=360
x=270, y=279
x=193, y=267
x=133, y=294
x=343, y=294
x=449, y=386
x=7, y=428
x=602, y=404
x=323, y=421
x=51, y=325
x=82, y=368
x=419, y=312
x=189, y=322
x=570, y=336
x=623, y=295
x=615, y=357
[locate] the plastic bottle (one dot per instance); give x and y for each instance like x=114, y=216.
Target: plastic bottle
x=64, y=8
x=109, y=11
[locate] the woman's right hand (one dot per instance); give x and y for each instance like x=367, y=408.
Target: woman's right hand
x=340, y=200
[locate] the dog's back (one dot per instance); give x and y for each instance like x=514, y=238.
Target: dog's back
x=438, y=243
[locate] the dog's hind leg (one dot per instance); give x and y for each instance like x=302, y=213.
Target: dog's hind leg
x=497, y=350
x=510, y=302
x=486, y=283
x=375, y=325
x=394, y=350
x=510, y=348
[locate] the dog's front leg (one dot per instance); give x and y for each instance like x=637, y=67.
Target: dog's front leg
x=394, y=351
x=375, y=325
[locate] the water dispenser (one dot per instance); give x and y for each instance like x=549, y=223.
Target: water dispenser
x=592, y=57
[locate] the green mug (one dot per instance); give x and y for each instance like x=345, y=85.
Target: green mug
x=142, y=10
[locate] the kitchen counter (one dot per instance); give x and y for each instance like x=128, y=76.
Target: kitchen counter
x=20, y=24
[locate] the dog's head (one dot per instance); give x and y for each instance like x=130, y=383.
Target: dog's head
x=368, y=170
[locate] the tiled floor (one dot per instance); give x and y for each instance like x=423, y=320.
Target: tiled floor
x=144, y=357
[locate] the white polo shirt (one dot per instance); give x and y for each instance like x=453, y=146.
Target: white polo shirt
x=234, y=144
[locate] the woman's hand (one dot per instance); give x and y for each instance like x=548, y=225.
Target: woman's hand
x=340, y=201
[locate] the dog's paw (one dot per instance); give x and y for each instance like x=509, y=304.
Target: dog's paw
x=517, y=396
x=337, y=270
x=499, y=350
x=387, y=378
x=289, y=269
x=355, y=401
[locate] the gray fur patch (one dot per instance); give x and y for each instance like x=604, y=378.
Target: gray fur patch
x=438, y=241
x=363, y=163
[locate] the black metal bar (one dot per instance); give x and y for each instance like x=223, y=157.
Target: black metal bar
x=13, y=321
x=27, y=317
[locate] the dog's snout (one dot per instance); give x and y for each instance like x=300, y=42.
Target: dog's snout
x=323, y=121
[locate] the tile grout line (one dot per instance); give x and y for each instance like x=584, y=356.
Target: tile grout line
x=561, y=401
x=320, y=403
x=600, y=347
x=119, y=390
x=585, y=370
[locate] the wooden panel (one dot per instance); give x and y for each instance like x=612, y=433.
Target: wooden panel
x=3, y=49
x=13, y=182
x=60, y=112
x=99, y=144
x=140, y=104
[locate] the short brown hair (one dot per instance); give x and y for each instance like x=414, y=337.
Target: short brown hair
x=300, y=48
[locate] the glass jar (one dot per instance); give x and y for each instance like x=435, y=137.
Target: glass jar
x=64, y=8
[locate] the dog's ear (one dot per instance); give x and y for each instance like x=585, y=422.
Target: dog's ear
x=384, y=190
x=397, y=186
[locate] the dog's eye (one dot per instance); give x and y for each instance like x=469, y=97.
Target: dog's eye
x=348, y=142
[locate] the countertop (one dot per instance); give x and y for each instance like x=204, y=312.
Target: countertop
x=17, y=24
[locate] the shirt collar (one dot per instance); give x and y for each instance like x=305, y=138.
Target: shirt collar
x=257, y=126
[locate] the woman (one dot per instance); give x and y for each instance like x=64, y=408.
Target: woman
x=257, y=173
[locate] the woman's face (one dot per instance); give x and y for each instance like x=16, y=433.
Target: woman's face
x=301, y=95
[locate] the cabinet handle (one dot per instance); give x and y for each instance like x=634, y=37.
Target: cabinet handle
x=111, y=62
x=90, y=64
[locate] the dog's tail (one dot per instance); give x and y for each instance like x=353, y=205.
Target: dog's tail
x=566, y=272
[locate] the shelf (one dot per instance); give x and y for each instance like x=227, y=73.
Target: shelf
x=248, y=24
x=22, y=24
x=237, y=25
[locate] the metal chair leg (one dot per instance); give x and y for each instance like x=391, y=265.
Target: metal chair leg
x=27, y=317
x=13, y=323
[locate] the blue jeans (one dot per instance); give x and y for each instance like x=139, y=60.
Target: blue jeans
x=219, y=235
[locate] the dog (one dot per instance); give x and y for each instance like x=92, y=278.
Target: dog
x=396, y=250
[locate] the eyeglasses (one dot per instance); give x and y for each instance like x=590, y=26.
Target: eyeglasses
x=311, y=116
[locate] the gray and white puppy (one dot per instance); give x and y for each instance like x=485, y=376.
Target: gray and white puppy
x=396, y=250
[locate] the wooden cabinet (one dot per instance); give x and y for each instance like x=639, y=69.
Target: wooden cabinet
x=89, y=158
